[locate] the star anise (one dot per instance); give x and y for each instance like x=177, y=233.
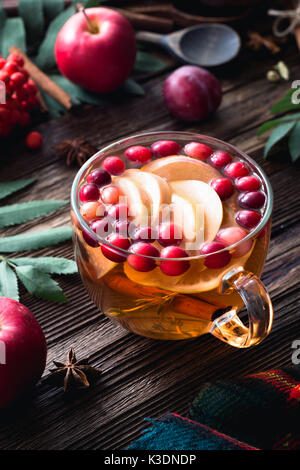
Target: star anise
x=257, y=41
x=75, y=150
x=77, y=375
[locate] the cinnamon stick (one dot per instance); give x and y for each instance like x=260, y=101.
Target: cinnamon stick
x=43, y=81
x=181, y=303
x=147, y=22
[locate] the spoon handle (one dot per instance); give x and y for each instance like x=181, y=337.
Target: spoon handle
x=149, y=38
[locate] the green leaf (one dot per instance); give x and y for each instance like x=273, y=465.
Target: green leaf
x=294, y=142
x=48, y=264
x=52, y=8
x=13, y=35
x=79, y=94
x=12, y=186
x=279, y=133
x=31, y=11
x=45, y=58
x=91, y=3
x=8, y=282
x=132, y=88
x=266, y=126
x=40, y=284
x=148, y=63
x=35, y=240
x=285, y=104
x=14, y=214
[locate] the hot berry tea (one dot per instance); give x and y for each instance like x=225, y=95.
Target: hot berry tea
x=171, y=234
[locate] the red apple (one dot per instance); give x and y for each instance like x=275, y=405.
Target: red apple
x=192, y=93
x=98, y=53
x=23, y=350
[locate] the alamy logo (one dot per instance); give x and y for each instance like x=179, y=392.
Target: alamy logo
x=2, y=353
x=2, y=92
x=295, y=98
x=296, y=353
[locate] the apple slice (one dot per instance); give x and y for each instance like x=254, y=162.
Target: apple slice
x=157, y=189
x=180, y=167
x=202, y=195
x=136, y=199
x=190, y=217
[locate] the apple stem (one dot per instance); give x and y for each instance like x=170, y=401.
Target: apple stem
x=92, y=28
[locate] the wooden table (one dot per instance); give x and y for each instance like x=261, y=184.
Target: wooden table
x=142, y=377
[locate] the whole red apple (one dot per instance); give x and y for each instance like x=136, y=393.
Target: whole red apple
x=97, y=53
x=23, y=350
x=191, y=93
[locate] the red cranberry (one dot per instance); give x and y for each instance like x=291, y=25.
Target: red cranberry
x=17, y=79
x=164, y=148
x=248, y=183
x=34, y=140
x=236, y=170
x=110, y=194
x=17, y=58
x=215, y=260
x=113, y=254
x=89, y=239
x=92, y=210
x=118, y=212
x=101, y=227
x=148, y=234
x=139, y=263
x=10, y=67
x=197, y=150
x=99, y=177
x=219, y=159
x=248, y=219
x=123, y=227
x=138, y=154
x=223, y=187
x=252, y=200
x=114, y=165
x=173, y=267
x=231, y=235
x=89, y=192
x=4, y=77
x=169, y=234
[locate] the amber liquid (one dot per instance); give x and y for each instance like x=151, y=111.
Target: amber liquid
x=167, y=312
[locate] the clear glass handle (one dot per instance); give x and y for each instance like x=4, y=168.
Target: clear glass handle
x=228, y=327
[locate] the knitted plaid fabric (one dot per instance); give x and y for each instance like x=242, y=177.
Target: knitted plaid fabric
x=259, y=411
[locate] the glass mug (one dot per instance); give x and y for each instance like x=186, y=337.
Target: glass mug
x=171, y=307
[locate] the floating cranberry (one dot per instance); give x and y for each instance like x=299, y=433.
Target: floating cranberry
x=118, y=212
x=124, y=227
x=169, y=234
x=112, y=254
x=215, y=260
x=148, y=234
x=236, y=170
x=89, y=239
x=219, y=159
x=248, y=183
x=102, y=227
x=92, y=210
x=140, y=263
x=248, y=219
x=198, y=150
x=114, y=165
x=231, y=235
x=174, y=267
x=223, y=187
x=138, y=154
x=110, y=194
x=89, y=192
x=99, y=177
x=164, y=148
x=252, y=200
